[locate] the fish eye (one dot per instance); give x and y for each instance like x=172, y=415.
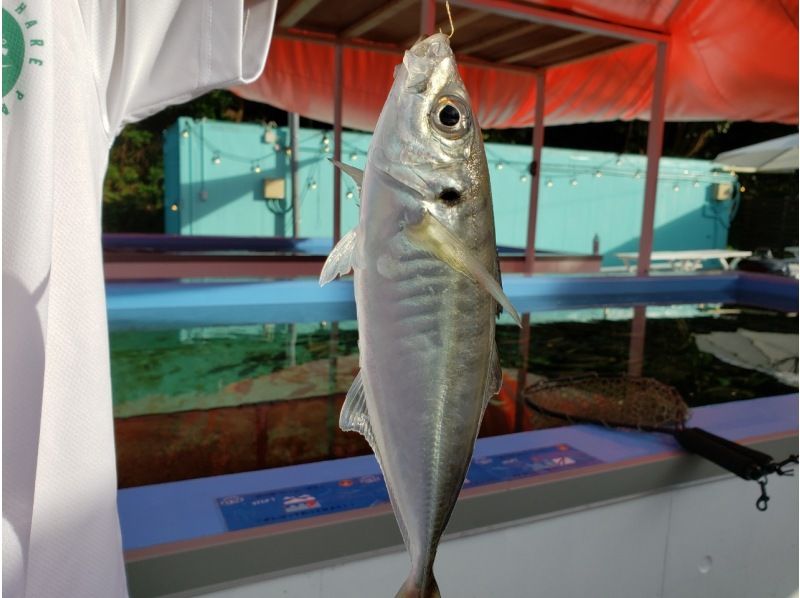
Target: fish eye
x=450, y=116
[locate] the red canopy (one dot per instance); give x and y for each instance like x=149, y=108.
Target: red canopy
x=728, y=60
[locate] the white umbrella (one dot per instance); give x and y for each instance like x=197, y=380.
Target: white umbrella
x=775, y=155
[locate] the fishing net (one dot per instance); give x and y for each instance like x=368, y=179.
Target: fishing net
x=615, y=401
x=648, y=405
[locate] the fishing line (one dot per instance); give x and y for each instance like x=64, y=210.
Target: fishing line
x=449, y=18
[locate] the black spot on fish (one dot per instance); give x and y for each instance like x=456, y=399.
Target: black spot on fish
x=450, y=196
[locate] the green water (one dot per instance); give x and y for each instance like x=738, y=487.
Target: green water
x=195, y=365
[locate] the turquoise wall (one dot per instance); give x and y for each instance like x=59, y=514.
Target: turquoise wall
x=214, y=174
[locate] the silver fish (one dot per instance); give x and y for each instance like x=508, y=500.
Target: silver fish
x=427, y=293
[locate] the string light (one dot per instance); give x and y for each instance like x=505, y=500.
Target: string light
x=185, y=133
x=574, y=182
x=695, y=184
x=288, y=151
x=353, y=157
x=216, y=159
x=549, y=182
x=500, y=166
x=598, y=174
x=312, y=185
x=742, y=189
x=256, y=168
x=349, y=195
x=174, y=207
x=676, y=187
x=523, y=178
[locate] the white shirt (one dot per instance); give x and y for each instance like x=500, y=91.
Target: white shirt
x=74, y=72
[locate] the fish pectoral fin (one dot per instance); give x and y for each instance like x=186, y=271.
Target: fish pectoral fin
x=432, y=236
x=342, y=259
x=354, y=173
x=354, y=416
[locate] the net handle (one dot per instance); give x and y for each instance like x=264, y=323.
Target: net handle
x=747, y=463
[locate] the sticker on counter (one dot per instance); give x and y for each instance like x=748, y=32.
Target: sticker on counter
x=242, y=511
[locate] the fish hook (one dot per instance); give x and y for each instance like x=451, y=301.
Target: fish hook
x=449, y=18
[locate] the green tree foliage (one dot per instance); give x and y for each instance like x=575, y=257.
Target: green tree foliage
x=133, y=192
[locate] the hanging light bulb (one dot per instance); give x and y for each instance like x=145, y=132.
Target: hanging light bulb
x=216, y=159
x=676, y=187
x=742, y=189
x=353, y=157
x=695, y=184
x=349, y=195
x=256, y=168
x=574, y=182
x=185, y=133
x=549, y=182
x=597, y=173
x=325, y=140
x=288, y=151
x=174, y=207
x=500, y=166
x=523, y=178
x=312, y=185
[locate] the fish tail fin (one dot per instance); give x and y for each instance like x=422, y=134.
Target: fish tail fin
x=412, y=588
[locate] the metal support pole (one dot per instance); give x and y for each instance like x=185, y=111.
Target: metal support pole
x=294, y=132
x=337, y=142
x=427, y=17
x=538, y=142
x=522, y=371
x=636, y=347
x=655, y=141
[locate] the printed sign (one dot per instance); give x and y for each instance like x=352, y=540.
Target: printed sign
x=290, y=504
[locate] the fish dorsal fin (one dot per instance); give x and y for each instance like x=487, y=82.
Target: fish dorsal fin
x=342, y=259
x=354, y=416
x=354, y=173
x=432, y=236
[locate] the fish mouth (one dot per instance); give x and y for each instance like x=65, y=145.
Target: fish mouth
x=434, y=47
x=423, y=58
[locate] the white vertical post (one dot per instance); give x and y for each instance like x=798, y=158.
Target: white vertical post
x=538, y=142
x=427, y=17
x=655, y=140
x=337, y=142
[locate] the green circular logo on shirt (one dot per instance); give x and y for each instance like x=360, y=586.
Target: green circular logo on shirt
x=13, y=51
